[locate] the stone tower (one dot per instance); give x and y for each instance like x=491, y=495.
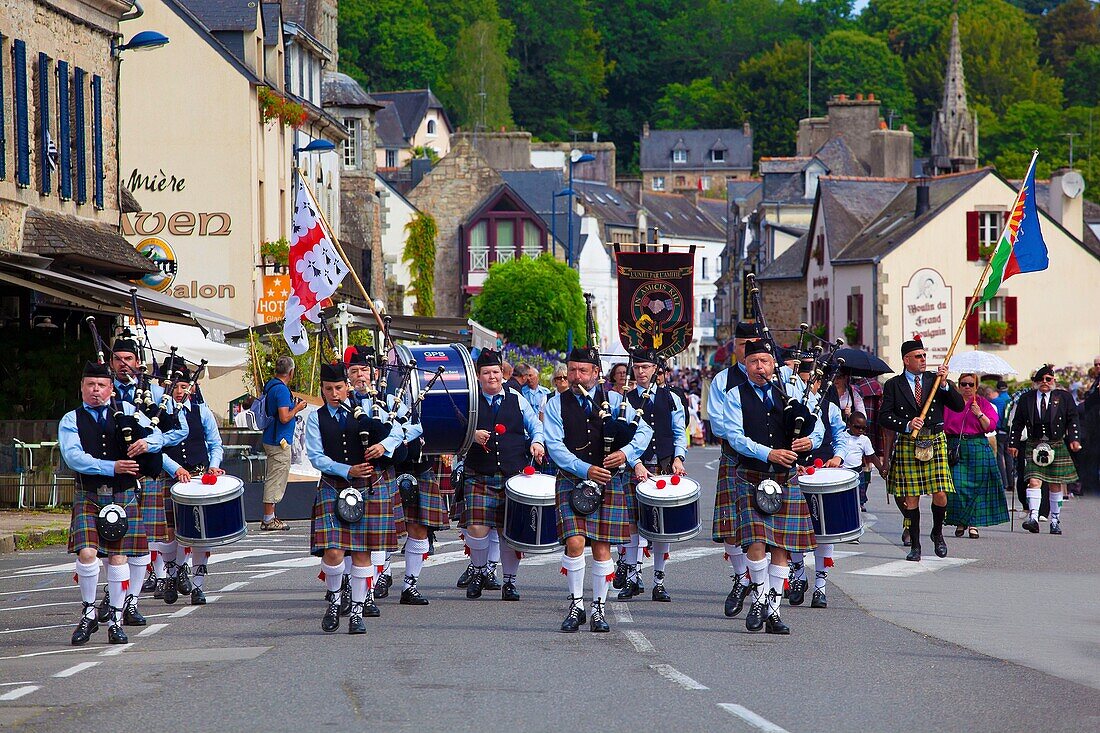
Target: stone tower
x=955, y=127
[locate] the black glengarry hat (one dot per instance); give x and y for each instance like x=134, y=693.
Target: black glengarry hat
x=746, y=330
x=1046, y=370
x=645, y=356
x=92, y=369
x=912, y=345
x=488, y=358
x=584, y=355
x=359, y=355
x=757, y=346
x=334, y=372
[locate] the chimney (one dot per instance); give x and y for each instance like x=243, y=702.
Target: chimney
x=923, y=203
x=645, y=129
x=746, y=129
x=1065, y=200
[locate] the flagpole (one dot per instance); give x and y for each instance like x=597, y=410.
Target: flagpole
x=977, y=290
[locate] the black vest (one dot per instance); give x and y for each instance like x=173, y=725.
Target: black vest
x=761, y=425
x=343, y=444
x=583, y=433
x=99, y=443
x=507, y=452
x=192, y=452
x=735, y=377
x=827, y=449
x=659, y=417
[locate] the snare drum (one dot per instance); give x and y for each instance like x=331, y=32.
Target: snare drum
x=668, y=508
x=530, y=513
x=209, y=515
x=833, y=497
x=448, y=411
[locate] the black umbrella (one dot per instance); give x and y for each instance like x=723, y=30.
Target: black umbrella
x=861, y=363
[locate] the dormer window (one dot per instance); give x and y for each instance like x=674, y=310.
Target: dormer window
x=718, y=156
x=679, y=156
x=431, y=127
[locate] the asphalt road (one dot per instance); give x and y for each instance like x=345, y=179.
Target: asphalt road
x=1003, y=636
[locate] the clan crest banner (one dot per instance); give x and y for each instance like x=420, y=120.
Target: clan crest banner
x=656, y=300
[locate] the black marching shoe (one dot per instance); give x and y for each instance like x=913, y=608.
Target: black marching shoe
x=659, y=593
x=620, y=574
x=158, y=592
x=799, y=587
x=183, y=580
x=574, y=618
x=1031, y=525
x=940, y=544
x=818, y=601
x=775, y=625
x=370, y=608
x=411, y=596
x=331, y=620
x=489, y=577
x=735, y=601
x=914, y=554
x=104, y=612
x=382, y=587
x=198, y=598
x=88, y=625
x=115, y=634
x=130, y=615
x=355, y=621
x=1055, y=526
x=508, y=591
x=473, y=590
x=150, y=583
x=597, y=622
x=345, y=595
x=171, y=593
x=464, y=579
x=631, y=589
x=754, y=621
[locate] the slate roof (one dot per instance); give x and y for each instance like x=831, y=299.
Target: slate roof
x=407, y=111
x=657, y=147
x=784, y=178
x=717, y=210
x=784, y=165
x=744, y=190
x=224, y=15
x=295, y=11
x=675, y=215
x=79, y=241
x=182, y=9
x=839, y=158
x=850, y=204
x=271, y=15
x=340, y=90
x=388, y=126
x=128, y=204
x=537, y=189
x=791, y=265
x=607, y=204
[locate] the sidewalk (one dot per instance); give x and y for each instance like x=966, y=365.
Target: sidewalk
x=39, y=528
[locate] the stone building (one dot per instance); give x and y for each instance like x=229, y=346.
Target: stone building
x=955, y=127
x=694, y=160
x=883, y=152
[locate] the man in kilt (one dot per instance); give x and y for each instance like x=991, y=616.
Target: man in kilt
x=106, y=473
x=663, y=411
x=575, y=424
x=334, y=447
x=919, y=465
x=1050, y=418
x=754, y=450
x=506, y=425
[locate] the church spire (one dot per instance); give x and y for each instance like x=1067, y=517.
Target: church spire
x=954, y=128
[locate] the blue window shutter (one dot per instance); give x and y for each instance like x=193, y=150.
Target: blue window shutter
x=81, y=133
x=3, y=121
x=64, y=139
x=44, y=123
x=22, y=125
x=97, y=141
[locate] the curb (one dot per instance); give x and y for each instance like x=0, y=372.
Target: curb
x=7, y=543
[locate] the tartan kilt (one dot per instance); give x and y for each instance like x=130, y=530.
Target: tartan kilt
x=910, y=477
x=83, y=532
x=611, y=523
x=790, y=528
x=431, y=511
x=158, y=514
x=374, y=531
x=725, y=502
x=484, y=500
x=979, y=497
x=1062, y=471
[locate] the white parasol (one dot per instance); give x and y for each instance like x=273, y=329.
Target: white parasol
x=980, y=362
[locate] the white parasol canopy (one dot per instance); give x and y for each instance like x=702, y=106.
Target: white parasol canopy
x=980, y=362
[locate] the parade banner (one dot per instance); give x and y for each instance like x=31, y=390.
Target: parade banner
x=656, y=300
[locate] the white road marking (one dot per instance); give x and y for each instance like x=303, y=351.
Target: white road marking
x=42, y=605
x=52, y=651
x=13, y=684
x=295, y=562
x=675, y=676
x=19, y=692
x=906, y=569
x=211, y=599
x=36, y=628
x=751, y=718
x=35, y=590
x=268, y=574
x=811, y=558
x=183, y=611
x=692, y=553
x=219, y=557
x=76, y=669
x=152, y=629
x=622, y=613
x=641, y=644
x=712, y=465
x=115, y=650
x=234, y=586
x=43, y=570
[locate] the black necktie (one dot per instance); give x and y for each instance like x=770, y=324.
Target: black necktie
x=765, y=397
x=128, y=394
x=1043, y=407
x=586, y=403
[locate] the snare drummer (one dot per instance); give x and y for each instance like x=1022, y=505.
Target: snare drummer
x=1051, y=421
x=104, y=475
x=335, y=449
x=574, y=435
x=664, y=412
x=200, y=452
x=506, y=424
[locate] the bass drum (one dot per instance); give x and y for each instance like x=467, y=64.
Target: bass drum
x=448, y=410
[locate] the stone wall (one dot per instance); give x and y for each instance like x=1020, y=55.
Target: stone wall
x=450, y=193
x=504, y=151
x=784, y=307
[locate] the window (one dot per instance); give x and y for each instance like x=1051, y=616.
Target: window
x=506, y=241
x=718, y=156
x=431, y=127
x=351, y=145
x=391, y=158
x=64, y=137
x=819, y=315
x=621, y=237
x=705, y=182
x=658, y=183
x=22, y=123
x=855, y=318
x=479, y=247
x=532, y=240
x=1001, y=313
x=989, y=224
x=681, y=181
x=704, y=305
x=705, y=275
x=679, y=156
x=983, y=228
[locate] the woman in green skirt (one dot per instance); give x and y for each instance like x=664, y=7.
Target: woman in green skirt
x=979, y=499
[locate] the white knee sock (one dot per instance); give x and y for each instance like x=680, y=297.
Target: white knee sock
x=347, y=564
x=385, y=565
x=479, y=550
x=1055, y=505
x=509, y=562
x=494, y=546
x=156, y=551
x=758, y=573
x=334, y=576
x=573, y=569
x=200, y=570
x=379, y=559
x=138, y=567
x=603, y=572
x=632, y=549
x=168, y=552
x=415, y=552
x=777, y=574
x=738, y=561
x=1034, y=498
x=359, y=575
x=660, y=555
x=118, y=578
x=87, y=576
x=823, y=556
x=798, y=566
x=183, y=556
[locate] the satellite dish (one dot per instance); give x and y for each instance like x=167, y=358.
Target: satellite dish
x=1073, y=185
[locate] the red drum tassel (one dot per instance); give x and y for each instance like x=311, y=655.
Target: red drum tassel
x=75, y=579
x=645, y=551
x=427, y=555
x=125, y=586
x=609, y=577
x=786, y=584
x=321, y=576
x=466, y=550
x=563, y=572
x=828, y=562
x=666, y=555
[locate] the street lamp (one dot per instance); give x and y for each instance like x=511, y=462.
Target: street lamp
x=316, y=146
x=554, y=217
x=575, y=157
x=143, y=41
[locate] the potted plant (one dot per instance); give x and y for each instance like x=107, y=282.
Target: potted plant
x=276, y=254
x=993, y=332
x=276, y=107
x=851, y=334
x=819, y=330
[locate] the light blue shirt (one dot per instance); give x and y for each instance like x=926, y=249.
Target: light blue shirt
x=131, y=389
x=555, y=433
x=679, y=424
x=531, y=423
x=81, y=462
x=536, y=397
x=314, y=450
x=210, y=433
x=718, y=403
x=745, y=445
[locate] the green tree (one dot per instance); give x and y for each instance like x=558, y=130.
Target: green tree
x=1066, y=28
x=479, y=75
x=850, y=62
x=419, y=252
x=1083, y=77
x=1008, y=139
x=698, y=104
x=533, y=302
x=771, y=88
x=390, y=44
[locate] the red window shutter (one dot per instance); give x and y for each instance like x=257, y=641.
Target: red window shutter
x=973, y=328
x=858, y=317
x=1010, y=317
x=972, y=236
x=828, y=316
